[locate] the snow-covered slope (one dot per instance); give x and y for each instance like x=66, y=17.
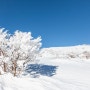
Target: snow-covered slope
x=80, y=52
x=55, y=71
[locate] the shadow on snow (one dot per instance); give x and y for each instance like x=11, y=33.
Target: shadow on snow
x=35, y=70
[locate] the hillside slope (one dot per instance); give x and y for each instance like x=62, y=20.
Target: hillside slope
x=56, y=70
x=80, y=52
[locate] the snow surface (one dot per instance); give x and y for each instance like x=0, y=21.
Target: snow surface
x=55, y=71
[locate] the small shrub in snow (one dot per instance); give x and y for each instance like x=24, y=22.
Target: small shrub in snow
x=85, y=54
x=17, y=50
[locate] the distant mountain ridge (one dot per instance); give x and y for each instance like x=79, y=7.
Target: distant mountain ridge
x=71, y=52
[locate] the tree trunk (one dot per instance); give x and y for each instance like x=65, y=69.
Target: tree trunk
x=15, y=72
x=14, y=68
x=5, y=67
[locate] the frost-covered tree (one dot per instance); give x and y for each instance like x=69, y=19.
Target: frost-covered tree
x=23, y=49
x=18, y=50
x=3, y=50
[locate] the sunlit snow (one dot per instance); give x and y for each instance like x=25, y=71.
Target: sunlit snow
x=59, y=68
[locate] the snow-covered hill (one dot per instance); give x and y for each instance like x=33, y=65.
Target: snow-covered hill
x=80, y=52
x=60, y=68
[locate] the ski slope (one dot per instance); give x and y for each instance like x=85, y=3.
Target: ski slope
x=56, y=70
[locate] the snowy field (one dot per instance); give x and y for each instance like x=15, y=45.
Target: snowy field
x=53, y=72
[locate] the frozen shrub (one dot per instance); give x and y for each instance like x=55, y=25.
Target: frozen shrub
x=17, y=50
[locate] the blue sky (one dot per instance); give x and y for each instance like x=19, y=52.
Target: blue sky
x=58, y=22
